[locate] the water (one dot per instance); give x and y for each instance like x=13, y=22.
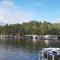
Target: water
x=24, y=49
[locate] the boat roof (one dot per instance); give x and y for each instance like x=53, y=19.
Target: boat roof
x=52, y=50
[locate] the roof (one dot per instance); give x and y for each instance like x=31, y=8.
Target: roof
x=52, y=51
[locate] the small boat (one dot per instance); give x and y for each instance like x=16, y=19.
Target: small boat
x=50, y=54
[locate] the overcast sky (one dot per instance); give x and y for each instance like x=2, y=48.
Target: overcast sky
x=18, y=11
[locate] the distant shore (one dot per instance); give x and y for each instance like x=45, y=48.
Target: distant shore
x=32, y=36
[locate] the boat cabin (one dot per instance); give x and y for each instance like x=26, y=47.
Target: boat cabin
x=50, y=54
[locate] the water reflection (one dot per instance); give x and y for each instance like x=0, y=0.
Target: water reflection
x=29, y=44
x=24, y=49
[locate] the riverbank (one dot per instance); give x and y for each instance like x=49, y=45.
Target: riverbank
x=44, y=37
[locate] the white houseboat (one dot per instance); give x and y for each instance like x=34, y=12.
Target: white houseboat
x=50, y=54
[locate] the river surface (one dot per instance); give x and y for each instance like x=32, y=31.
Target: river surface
x=24, y=49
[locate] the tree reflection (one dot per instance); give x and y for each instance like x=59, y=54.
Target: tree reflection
x=29, y=44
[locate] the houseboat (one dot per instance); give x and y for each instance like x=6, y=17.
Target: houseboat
x=50, y=54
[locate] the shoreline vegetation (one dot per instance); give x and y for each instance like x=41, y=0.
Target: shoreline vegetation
x=31, y=28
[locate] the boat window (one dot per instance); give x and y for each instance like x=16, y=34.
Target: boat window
x=54, y=52
x=45, y=55
x=49, y=57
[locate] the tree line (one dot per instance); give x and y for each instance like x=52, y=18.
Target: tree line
x=31, y=28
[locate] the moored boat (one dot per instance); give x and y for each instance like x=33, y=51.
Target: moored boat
x=50, y=54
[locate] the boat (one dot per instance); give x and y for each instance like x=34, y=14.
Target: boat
x=50, y=54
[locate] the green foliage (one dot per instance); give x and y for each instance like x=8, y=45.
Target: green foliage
x=32, y=27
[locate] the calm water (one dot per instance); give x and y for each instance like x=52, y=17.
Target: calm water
x=24, y=49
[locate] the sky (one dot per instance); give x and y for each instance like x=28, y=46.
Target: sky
x=19, y=11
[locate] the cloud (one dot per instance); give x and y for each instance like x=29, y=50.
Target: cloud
x=38, y=4
x=6, y=4
x=57, y=20
x=11, y=14
x=57, y=11
x=17, y=17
